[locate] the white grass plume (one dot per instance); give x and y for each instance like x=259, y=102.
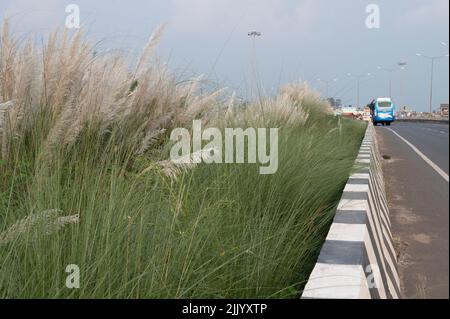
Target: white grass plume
x=36, y=225
x=175, y=167
x=150, y=138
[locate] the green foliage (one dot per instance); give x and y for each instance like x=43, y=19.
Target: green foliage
x=217, y=231
x=82, y=137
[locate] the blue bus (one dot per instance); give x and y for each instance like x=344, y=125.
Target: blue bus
x=383, y=111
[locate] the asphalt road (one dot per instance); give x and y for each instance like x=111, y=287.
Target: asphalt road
x=418, y=196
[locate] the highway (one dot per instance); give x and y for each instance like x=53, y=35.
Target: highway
x=416, y=167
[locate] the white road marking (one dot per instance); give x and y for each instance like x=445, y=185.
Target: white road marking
x=425, y=158
x=434, y=130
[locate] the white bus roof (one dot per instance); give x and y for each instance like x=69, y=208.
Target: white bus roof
x=384, y=99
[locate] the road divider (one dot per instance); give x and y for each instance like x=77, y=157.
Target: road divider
x=358, y=260
x=431, y=121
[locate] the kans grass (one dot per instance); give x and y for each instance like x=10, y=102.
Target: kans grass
x=84, y=180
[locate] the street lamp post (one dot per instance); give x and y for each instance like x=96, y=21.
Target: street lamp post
x=327, y=85
x=432, y=59
x=402, y=65
x=390, y=71
x=358, y=77
x=254, y=34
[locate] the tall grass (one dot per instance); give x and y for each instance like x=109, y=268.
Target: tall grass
x=83, y=138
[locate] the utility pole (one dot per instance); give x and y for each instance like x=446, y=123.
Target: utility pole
x=254, y=34
x=432, y=59
x=402, y=65
x=358, y=78
x=327, y=85
x=390, y=71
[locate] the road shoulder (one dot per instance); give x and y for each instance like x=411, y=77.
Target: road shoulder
x=418, y=202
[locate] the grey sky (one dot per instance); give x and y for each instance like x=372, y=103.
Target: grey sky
x=303, y=39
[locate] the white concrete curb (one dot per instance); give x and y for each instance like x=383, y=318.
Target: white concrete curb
x=358, y=260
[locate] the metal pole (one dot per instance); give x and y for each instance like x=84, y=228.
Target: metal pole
x=432, y=58
x=402, y=65
x=358, y=78
x=391, y=71
x=390, y=84
x=357, y=96
x=253, y=35
x=431, y=84
x=400, y=98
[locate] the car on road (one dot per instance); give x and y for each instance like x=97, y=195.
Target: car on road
x=383, y=111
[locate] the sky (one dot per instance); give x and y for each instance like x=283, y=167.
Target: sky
x=300, y=40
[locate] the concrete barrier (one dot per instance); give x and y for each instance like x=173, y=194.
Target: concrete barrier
x=431, y=121
x=358, y=260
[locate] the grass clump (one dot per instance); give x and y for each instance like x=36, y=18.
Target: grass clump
x=83, y=166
